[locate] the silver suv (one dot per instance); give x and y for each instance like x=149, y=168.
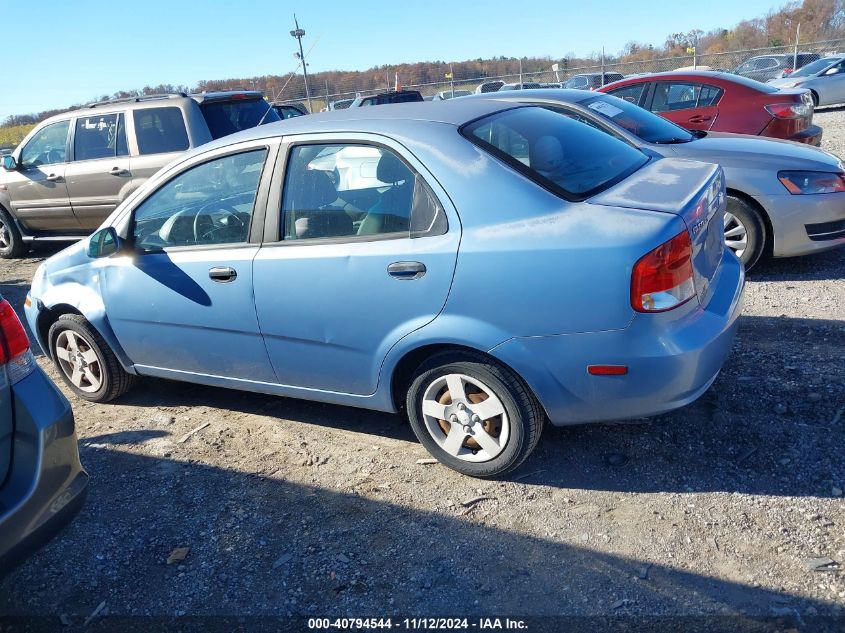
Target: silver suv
x=73, y=169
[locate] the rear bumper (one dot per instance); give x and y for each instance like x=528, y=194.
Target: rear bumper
x=46, y=485
x=671, y=358
x=805, y=224
x=811, y=135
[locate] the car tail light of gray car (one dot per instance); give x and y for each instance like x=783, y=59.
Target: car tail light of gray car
x=16, y=359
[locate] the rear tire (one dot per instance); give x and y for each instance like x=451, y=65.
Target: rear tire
x=489, y=429
x=85, y=361
x=11, y=242
x=745, y=231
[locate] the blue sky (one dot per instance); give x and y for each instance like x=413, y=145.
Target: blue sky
x=60, y=52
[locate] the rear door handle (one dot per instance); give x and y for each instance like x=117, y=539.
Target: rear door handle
x=54, y=178
x=119, y=171
x=223, y=274
x=406, y=270
x=699, y=119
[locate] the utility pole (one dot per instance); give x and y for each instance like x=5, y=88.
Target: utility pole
x=452, y=79
x=520, y=73
x=299, y=33
x=795, y=55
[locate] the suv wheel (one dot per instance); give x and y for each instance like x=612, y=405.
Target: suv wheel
x=473, y=415
x=85, y=361
x=11, y=243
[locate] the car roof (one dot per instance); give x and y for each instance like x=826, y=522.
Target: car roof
x=455, y=112
x=569, y=95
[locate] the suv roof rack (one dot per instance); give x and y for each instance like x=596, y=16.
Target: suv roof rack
x=163, y=95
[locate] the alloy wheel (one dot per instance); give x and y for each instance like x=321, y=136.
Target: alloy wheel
x=465, y=418
x=736, y=234
x=78, y=361
x=5, y=235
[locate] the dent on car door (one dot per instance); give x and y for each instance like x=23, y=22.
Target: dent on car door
x=691, y=105
x=37, y=189
x=181, y=299
x=360, y=252
x=98, y=175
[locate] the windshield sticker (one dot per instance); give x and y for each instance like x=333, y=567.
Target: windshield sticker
x=605, y=108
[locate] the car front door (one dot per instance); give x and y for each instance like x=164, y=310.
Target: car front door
x=690, y=105
x=37, y=189
x=98, y=175
x=180, y=299
x=360, y=251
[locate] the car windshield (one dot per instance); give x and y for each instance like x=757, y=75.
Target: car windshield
x=638, y=121
x=569, y=158
x=815, y=67
x=230, y=116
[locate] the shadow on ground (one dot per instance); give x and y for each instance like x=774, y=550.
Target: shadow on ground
x=268, y=546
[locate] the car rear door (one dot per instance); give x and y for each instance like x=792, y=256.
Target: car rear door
x=98, y=174
x=360, y=249
x=156, y=136
x=691, y=105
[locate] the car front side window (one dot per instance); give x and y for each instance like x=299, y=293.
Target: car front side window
x=211, y=203
x=47, y=147
x=351, y=191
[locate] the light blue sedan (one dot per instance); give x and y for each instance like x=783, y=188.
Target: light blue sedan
x=482, y=265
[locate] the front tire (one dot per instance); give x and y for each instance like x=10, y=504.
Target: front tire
x=11, y=242
x=473, y=415
x=745, y=232
x=85, y=361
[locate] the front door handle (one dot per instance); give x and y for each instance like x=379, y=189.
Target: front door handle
x=54, y=178
x=699, y=118
x=222, y=274
x=406, y=270
x=119, y=171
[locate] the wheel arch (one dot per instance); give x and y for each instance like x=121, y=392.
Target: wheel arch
x=769, y=238
x=403, y=371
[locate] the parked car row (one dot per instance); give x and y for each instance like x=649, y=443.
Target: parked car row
x=253, y=259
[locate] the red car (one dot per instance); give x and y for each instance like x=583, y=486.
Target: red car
x=721, y=102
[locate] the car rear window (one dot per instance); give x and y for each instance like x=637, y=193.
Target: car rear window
x=226, y=117
x=569, y=158
x=759, y=86
x=160, y=130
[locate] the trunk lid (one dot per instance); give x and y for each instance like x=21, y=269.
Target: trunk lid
x=693, y=191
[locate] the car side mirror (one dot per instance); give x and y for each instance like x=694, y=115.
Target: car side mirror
x=831, y=71
x=104, y=242
x=9, y=163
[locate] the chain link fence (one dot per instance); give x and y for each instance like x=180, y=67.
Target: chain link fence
x=294, y=90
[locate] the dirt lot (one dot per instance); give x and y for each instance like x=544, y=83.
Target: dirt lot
x=290, y=507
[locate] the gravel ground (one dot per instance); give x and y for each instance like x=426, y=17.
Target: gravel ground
x=290, y=507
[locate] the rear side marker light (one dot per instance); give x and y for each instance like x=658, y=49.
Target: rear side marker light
x=607, y=370
x=663, y=279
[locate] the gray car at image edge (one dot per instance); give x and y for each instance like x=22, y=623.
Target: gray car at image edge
x=42, y=483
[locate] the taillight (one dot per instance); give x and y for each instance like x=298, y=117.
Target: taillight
x=663, y=279
x=14, y=344
x=790, y=110
x=786, y=71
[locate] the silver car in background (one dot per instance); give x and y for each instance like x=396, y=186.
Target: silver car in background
x=784, y=198
x=824, y=78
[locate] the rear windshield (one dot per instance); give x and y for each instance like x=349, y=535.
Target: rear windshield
x=815, y=67
x=759, y=86
x=227, y=117
x=638, y=121
x=569, y=158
